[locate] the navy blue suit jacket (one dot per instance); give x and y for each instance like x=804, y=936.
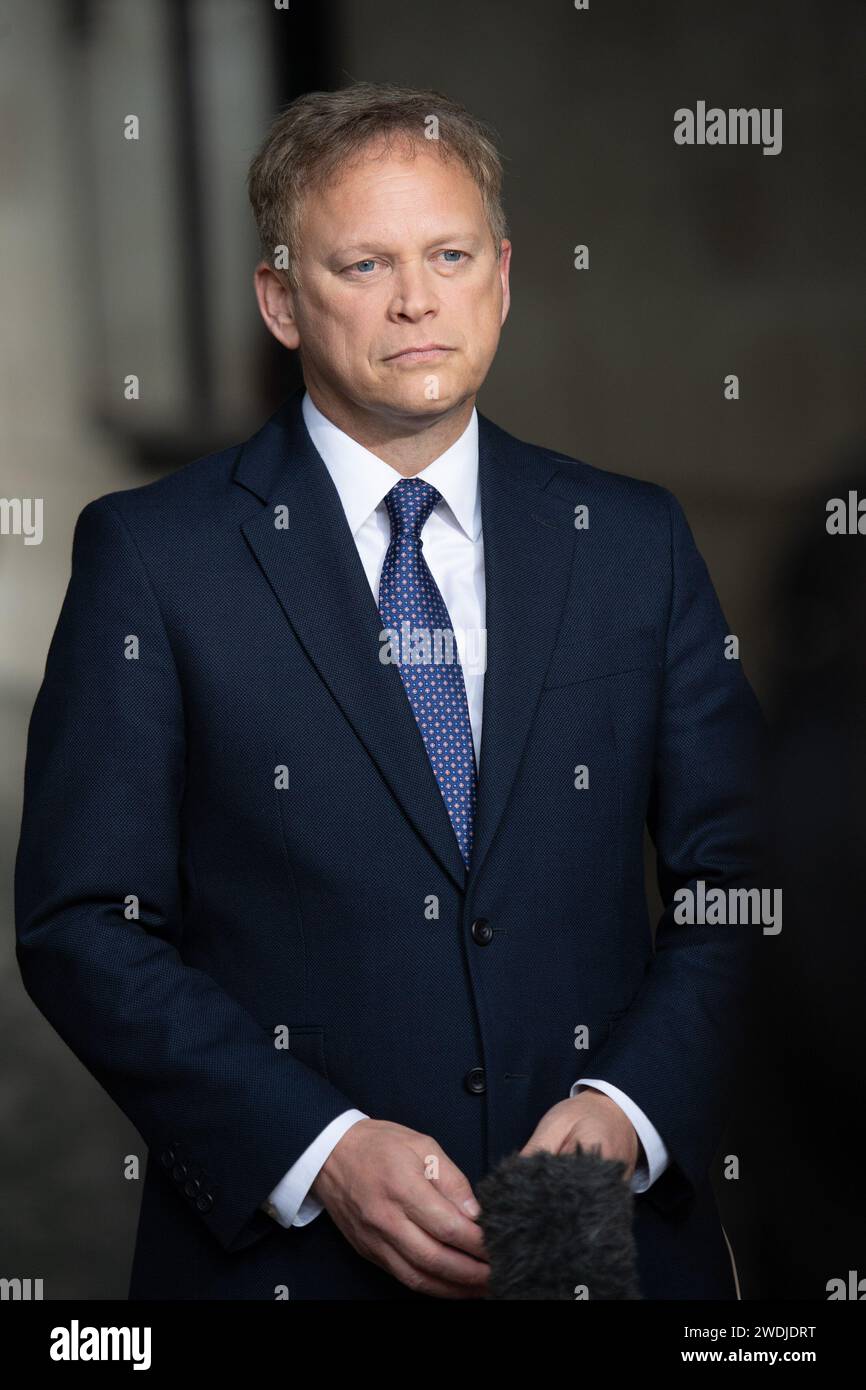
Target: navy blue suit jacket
x=262, y=906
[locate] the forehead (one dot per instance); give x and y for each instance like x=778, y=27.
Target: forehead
x=383, y=182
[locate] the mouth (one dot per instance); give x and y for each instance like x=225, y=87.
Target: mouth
x=426, y=352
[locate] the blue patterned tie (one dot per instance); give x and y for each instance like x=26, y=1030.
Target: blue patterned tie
x=408, y=594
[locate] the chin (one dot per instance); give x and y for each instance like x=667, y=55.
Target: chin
x=412, y=400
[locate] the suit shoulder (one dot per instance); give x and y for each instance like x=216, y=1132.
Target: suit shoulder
x=166, y=512
x=170, y=522
x=576, y=480
x=638, y=512
x=623, y=487
x=194, y=484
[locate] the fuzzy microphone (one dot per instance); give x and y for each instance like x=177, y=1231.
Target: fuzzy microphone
x=558, y=1226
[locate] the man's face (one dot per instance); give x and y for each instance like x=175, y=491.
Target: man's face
x=396, y=255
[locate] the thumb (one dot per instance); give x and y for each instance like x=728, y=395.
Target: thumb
x=457, y=1188
x=544, y=1136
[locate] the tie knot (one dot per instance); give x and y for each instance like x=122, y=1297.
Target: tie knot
x=409, y=505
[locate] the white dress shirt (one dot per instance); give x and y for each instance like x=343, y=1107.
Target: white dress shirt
x=454, y=551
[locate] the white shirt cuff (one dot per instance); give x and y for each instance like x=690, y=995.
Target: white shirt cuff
x=655, y=1151
x=289, y=1203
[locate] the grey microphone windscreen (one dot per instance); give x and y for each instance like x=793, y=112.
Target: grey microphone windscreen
x=558, y=1226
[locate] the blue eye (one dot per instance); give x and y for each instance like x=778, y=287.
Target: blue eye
x=453, y=253
x=358, y=264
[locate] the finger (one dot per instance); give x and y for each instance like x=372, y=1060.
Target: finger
x=421, y=1281
x=600, y=1146
x=437, y=1215
x=547, y=1135
x=456, y=1188
x=431, y=1257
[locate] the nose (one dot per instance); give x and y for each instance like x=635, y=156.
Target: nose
x=414, y=295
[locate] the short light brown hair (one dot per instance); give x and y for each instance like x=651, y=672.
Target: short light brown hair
x=321, y=132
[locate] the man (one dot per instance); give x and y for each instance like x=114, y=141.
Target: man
x=334, y=950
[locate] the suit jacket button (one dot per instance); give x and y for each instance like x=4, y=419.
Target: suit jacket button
x=179, y=1172
x=482, y=932
x=204, y=1201
x=474, y=1081
x=167, y=1157
x=192, y=1187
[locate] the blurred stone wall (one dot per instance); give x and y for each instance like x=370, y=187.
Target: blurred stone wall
x=703, y=262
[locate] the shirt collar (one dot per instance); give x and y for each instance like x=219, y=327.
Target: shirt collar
x=363, y=479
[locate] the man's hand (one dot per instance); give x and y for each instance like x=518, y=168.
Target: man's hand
x=592, y=1120
x=374, y=1185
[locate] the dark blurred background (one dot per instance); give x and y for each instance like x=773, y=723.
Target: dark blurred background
x=128, y=257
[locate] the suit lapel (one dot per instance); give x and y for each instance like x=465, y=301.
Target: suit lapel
x=316, y=574
x=528, y=550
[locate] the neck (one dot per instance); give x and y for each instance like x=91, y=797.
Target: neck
x=407, y=444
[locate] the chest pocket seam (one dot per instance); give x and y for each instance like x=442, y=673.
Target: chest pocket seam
x=597, y=665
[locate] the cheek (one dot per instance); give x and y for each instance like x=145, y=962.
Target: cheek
x=351, y=327
x=484, y=303
x=482, y=324
x=334, y=332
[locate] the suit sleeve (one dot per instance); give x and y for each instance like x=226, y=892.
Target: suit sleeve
x=223, y=1111
x=676, y=1051
x=291, y=1203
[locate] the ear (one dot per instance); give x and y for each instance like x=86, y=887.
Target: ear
x=276, y=305
x=504, y=277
